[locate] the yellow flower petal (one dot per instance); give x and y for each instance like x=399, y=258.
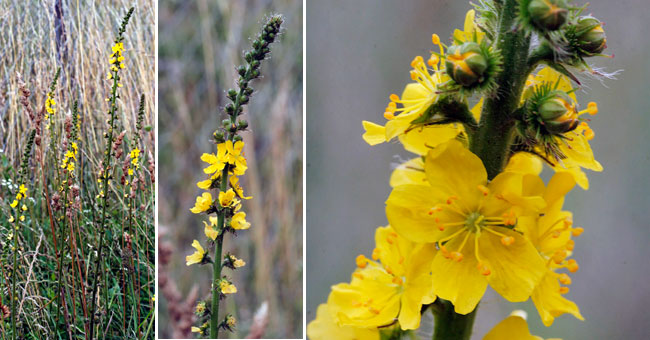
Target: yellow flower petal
x=375, y=133
x=550, y=303
x=410, y=172
x=325, y=327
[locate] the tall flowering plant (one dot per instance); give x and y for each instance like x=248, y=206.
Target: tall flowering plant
x=224, y=168
x=483, y=114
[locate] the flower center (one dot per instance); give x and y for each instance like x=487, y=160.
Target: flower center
x=474, y=222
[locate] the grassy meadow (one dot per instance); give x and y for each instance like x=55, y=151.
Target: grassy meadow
x=77, y=209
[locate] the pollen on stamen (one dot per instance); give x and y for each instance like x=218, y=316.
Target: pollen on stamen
x=374, y=310
x=389, y=115
x=361, y=261
x=564, y=279
x=397, y=280
x=457, y=256
x=573, y=266
x=451, y=199
x=483, y=189
x=577, y=231
x=435, y=39
x=394, y=98
x=414, y=75
x=375, y=254
x=564, y=290
x=559, y=256
x=358, y=276
x=592, y=108
x=433, y=61
x=483, y=269
x=417, y=61
x=570, y=245
x=507, y=240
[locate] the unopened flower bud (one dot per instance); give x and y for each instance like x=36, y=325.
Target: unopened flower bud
x=548, y=14
x=591, y=36
x=466, y=64
x=242, y=125
x=232, y=94
x=558, y=112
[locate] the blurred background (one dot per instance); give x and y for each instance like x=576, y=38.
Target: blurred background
x=358, y=53
x=200, y=44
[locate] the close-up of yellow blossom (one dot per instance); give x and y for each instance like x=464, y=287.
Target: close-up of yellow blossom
x=393, y=285
x=473, y=224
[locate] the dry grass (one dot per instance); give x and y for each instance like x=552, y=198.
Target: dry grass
x=200, y=44
x=37, y=39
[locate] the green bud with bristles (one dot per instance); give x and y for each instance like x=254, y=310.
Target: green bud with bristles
x=558, y=113
x=548, y=15
x=466, y=64
x=590, y=35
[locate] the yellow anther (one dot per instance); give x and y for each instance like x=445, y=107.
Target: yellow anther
x=433, y=61
x=483, y=269
x=573, y=266
x=357, y=304
x=394, y=98
x=417, y=61
x=435, y=39
x=577, y=231
x=375, y=254
x=401, y=260
x=507, y=240
x=361, y=261
x=374, y=310
x=564, y=279
x=559, y=256
x=456, y=256
x=564, y=290
x=483, y=189
x=389, y=115
x=570, y=244
x=388, y=270
x=592, y=108
x=414, y=75
x=568, y=222
x=441, y=227
x=589, y=134
x=358, y=276
x=451, y=199
x=397, y=280
x=556, y=234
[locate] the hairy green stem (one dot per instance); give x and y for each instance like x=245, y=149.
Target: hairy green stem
x=448, y=325
x=492, y=140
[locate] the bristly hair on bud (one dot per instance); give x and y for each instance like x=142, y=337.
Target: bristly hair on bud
x=472, y=67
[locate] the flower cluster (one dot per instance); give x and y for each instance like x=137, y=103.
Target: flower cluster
x=464, y=215
x=223, y=170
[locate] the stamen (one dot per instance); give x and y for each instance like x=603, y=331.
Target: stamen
x=358, y=276
x=456, y=256
x=397, y=280
x=577, y=231
x=389, y=115
x=573, y=266
x=564, y=290
x=375, y=254
x=507, y=240
x=483, y=269
x=564, y=279
x=361, y=261
x=394, y=98
x=559, y=256
x=483, y=189
x=570, y=244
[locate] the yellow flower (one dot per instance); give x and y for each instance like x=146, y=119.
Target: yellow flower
x=473, y=223
x=234, y=183
x=231, y=321
x=197, y=330
x=238, y=221
x=395, y=287
x=235, y=156
x=226, y=287
x=14, y=204
x=416, y=98
x=198, y=256
x=550, y=232
x=512, y=327
x=325, y=327
x=22, y=190
x=203, y=203
x=210, y=231
x=238, y=263
x=11, y=219
x=205, y=185
x=217, y=162
x=226, y=198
